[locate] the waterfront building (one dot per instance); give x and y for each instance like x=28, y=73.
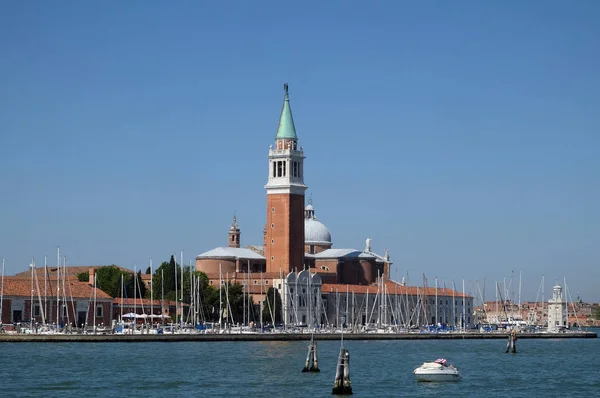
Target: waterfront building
x=298, y=260
x=67, y=302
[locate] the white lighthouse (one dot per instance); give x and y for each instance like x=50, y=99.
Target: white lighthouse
x=557, y=316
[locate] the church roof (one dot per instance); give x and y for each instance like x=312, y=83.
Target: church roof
x=231, y=252
x=286, y=129
x=379, y=258
x=343, y=253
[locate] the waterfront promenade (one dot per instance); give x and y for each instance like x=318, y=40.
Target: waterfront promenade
x=120, y=338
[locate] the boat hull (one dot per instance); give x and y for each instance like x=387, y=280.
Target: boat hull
x=437, y=377
x=431, y=371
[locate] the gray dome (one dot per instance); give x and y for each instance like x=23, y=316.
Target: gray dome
x=315, y=232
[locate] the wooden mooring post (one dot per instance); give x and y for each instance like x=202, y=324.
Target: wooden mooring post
x=512, y=342
x=312, y=363
x=342, y=385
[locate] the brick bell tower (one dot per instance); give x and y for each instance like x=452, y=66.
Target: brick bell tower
x=284, y=231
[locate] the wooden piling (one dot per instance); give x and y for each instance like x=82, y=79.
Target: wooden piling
x=342, y=385
x=512, y=342
x=312, y=363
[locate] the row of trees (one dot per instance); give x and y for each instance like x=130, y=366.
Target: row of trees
x=109, y=279
x=116, y=282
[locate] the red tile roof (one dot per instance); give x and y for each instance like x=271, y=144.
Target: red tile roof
x=19, y=286
x=391, y=288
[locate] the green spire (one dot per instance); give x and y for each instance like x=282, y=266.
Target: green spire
x=286, y=129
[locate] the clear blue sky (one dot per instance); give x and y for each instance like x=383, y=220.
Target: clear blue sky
x=463, y=136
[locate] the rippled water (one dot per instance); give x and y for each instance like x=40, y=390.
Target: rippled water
x=541, y=368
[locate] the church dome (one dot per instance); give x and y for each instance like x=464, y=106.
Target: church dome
x=315, y=232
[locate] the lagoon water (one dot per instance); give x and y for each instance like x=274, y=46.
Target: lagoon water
x=541, y=368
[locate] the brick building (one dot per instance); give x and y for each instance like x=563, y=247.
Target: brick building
x=293, y=241
x=66, y=302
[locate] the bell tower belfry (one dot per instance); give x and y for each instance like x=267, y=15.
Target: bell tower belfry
x=234, y=234
x=284, y=231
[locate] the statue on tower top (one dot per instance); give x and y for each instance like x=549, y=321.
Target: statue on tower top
x=285, y=87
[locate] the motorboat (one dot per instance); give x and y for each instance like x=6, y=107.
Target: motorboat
x=438, y=370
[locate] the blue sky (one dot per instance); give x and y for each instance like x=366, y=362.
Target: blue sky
x=463, y=136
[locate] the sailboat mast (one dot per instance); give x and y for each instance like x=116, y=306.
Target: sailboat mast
x=57, y=285
x=285, y=288
x=520, y=286
x=367, y=309
x=151, y=295
x=45, y=288
x=176, y=296
x=454, y=304
x=95, y=296
x=464, y=308
x=436, y=303
x=42, y=312
x=31, y=302
x=543, y=299
x=220, y=299
x=122, y=285
x=181, y=299
x=134, y=296
x=262, y=302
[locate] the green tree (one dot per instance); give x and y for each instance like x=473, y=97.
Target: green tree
x=236, y=303
x=272, y=305
x=108, y=279
x=164, y=278
x=83, y=276
x=148, y=271
x=140, y=286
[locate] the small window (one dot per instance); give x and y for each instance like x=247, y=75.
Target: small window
x=272, y=210
x=272, y=241
x=266, y=282
x=64, y=310
x=243, y=282
x=210, y=282
x=36, y=310
x=272, y=226
x=99, y=311
x=255, y=282
x=272, y=258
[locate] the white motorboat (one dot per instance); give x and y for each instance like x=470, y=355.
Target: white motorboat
x=437, y=370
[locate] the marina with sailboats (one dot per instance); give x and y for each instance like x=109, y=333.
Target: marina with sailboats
x=295, y=284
